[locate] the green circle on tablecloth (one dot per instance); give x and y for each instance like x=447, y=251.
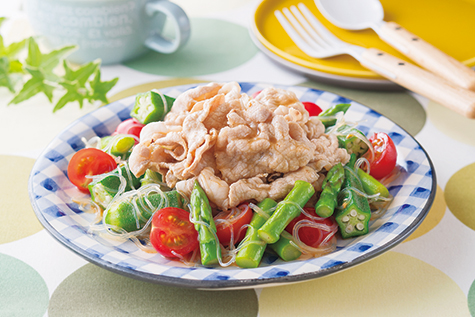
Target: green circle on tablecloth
x=451, y=123
x=17, y=217
x=214, y=46
x=392, y=284
x=471, y=299
x=93, y=291
x=23, y=292
x=399, y=106
x=459, y=195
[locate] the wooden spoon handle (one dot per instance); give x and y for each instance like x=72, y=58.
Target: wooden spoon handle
x=420, y=81
x=427, y=56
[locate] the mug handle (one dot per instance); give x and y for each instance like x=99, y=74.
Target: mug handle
x=180, y=21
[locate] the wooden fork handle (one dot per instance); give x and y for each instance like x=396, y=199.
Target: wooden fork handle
x=420, y=81
x=427, y=56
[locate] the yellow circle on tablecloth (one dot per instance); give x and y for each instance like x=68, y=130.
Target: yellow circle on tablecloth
x=451, y=123
x=17, y=217
x=433, y=218
x=153, y=85
x=93, y=291
x=392, y=284
x=460, y=195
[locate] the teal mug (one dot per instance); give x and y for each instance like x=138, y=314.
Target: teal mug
x=112, y=30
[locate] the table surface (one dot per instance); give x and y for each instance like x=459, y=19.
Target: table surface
x=431, y=273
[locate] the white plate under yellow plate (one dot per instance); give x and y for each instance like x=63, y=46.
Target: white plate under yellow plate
x=450, y=27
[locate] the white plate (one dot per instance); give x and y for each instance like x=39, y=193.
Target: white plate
x=51, y=194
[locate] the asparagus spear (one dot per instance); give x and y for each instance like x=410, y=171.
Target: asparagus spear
x=371, y=185
x=285, y=249
x=250, y=255
x=286, y=211
x=327, y=202
x=201, y=212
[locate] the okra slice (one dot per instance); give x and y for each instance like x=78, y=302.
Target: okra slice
x=354, y=213
x=118, y=145
x=132, y=212
x=103, y=189
x=327, y=117
x=151, y=106
x=351, y=140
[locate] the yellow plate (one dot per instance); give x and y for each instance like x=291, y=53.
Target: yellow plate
x=448, y=26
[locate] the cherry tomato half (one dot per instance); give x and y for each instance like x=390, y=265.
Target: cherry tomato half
x=172, y=233
x=89, y=162
x=129, y=126
x=311, y=236
x=312, y=108
x=232, y=221
x=385, y=155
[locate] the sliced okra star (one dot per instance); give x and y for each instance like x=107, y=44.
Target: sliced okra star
x=151, y=106
x=354, y=212
x=351, y=140
x=353, y=222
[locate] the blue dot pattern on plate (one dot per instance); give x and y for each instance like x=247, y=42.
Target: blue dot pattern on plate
x=51, y=193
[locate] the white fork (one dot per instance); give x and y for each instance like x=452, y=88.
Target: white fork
x=316, y=41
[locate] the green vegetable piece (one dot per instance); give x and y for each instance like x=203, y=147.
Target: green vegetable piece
x=118, y=145
x=371, y=185
x=352, y=143
x=353, y=217
x=151, y=107
x=327, y=202
x=201, y=211
x=286, y=211
x=250, y=255
x=132, y=212
x=331, y=112
x=151, y=177
x=286, y=250
x=103, y=190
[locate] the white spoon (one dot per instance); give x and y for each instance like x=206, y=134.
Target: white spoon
x=364, y=14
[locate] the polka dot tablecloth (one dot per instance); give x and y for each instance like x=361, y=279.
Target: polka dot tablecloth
x=432, y=273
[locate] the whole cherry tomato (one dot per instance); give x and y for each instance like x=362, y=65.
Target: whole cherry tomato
x=312, y=108
x=233, y=220
x=311, y=236
x=385, y=155
x=89, y=162
x=172, y=233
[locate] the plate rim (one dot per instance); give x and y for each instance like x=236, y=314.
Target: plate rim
x=241, y=283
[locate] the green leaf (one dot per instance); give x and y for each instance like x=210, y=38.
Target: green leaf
x=32, y=87
x=34, y=54
x=36, y=61
x=74, y=81
x=67, y=98
x=2, y=19
x=5, y=80
x=14, y=48
x=16, y=66
x=99, y=89
x=80, y=75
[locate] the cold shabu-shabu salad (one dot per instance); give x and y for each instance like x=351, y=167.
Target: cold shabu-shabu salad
x=217, y=177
